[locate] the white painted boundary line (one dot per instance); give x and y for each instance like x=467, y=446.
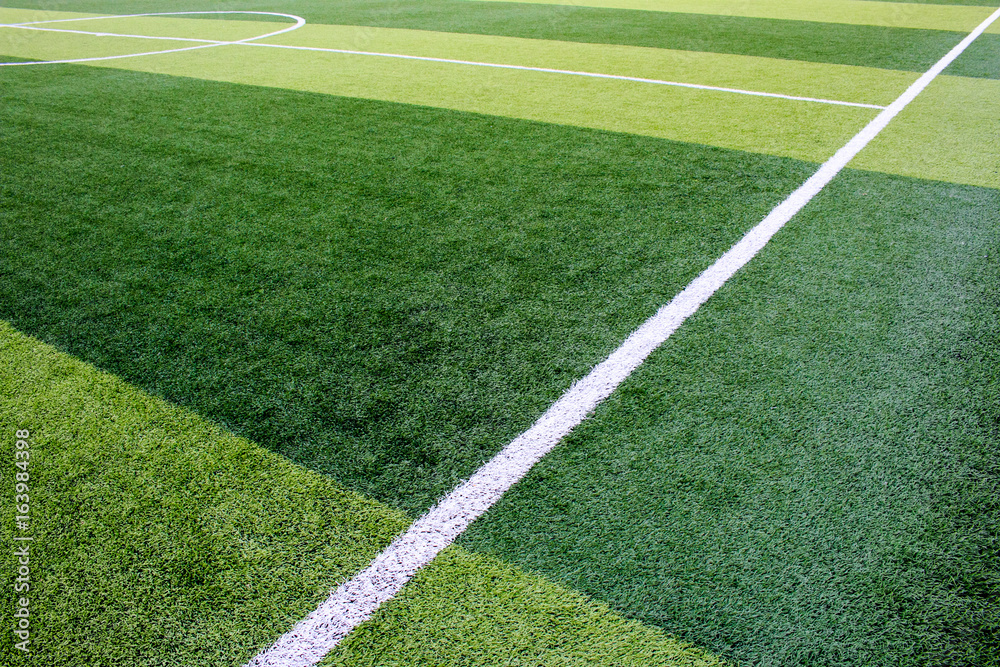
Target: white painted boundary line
x=299, y=22
x=357, y=599
x=595, y=75
x=473, y=63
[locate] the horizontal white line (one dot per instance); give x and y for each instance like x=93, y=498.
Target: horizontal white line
x=473, y=63
x=549, y=70
x=357, y=599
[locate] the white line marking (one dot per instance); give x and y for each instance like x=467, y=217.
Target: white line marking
x=299, y=22
x=473, y=63
x=116, y=34
x=572, y=73
x=357, y=599
x=134, y=16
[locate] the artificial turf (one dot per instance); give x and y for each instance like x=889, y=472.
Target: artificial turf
x=774, y=126
x=847, y=12
x=949, y=134
x=160, y=539
x=980, y=3
x=387, y=294
x=869, y=46
x=466, y=609
x=807, y=473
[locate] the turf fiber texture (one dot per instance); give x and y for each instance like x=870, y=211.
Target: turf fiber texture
x=161, y=540
x=299, y=277
x=870, y=46
x=384, y=293
x=807, y=474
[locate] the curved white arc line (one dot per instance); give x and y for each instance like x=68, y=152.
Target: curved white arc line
x=252, y=42
x=356, y=600
x=299, y=22
x=596, y=75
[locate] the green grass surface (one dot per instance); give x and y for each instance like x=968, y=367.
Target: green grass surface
x=806, y=474
x=384, y=293
x=772, y=126
x=981, y=3
x=474, y=610
x=853, y=12
x=786, y=77
x=868, y=46
x=949, y=133
x=159, y=539
x=982, y=59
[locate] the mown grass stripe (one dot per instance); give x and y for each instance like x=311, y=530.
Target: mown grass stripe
x=766, y=125
x=955, y=18
x=161, y=539
x=595, y=75
x=807, y=472
x=299, y=22
x=794, y=79
x=695, y=119
x=870, y=46
x=403, y=302
x=950, y=134
x=356, y=600
x=432, y=59
x=111, y=34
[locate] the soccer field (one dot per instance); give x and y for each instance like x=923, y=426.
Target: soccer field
x=459, y=332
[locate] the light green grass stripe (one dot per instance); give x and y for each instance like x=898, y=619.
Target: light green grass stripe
x=46, y=45
x=466, y=609
x=959, y=18
x=173, y=26
x=772, y=75
x=808, y=131
x=942, y=137
x=802, y=130
x=32, y=45
x=14, y=15
x=951, y=132
x=160, y=539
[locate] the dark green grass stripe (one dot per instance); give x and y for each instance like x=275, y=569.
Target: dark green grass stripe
x=807, y=472
x=871, y=46
x=981, y=59
x=385, y=293
x=157, y=539
x=161, y=541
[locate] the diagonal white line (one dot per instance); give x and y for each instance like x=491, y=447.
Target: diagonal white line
x=595, y=75
x=357, y=599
